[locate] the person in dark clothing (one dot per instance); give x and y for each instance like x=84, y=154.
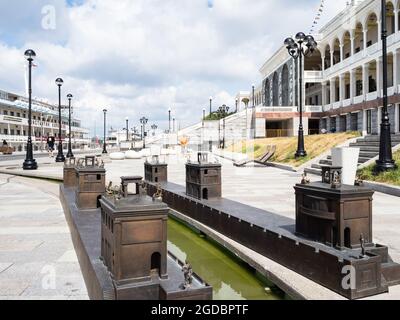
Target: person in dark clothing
x=50, y=145
x=5, y=144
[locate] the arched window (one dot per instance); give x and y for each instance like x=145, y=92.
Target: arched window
x=267, y=93
x=275, y=90
x=285, y=86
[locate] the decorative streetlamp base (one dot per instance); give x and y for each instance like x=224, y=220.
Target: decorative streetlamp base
x=30, y=164
x=104, y=151
x=60, y=158
x=70, y=154
x=301, y=154
x=383, y=166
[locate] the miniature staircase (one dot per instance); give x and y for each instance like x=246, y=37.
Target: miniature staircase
x=369, y=149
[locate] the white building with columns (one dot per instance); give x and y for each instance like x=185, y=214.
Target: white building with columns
x=342, y=79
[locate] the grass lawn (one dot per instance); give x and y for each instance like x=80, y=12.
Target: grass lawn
x=286, y=147
x=390, y=177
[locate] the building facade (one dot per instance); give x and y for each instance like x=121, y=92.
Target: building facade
x=45, y=122
x=342, y=78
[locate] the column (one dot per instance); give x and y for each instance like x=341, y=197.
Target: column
x=352, y=84
x=379, y=76
x=396, y=118
x=341, y=52
x=341, y=88
x=332, y=85
x=396, y=20
x=323, y=84
x=352, y=43
x=323, y=63
x=365, y=35
x=364, y=122
x=365, y=69
x=379, y=33
x=395, y=71
x=332, y=52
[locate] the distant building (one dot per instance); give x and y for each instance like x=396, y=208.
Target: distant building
x=45, y=122
x=342, y=79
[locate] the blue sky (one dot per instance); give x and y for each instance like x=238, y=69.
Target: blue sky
x=140, y=57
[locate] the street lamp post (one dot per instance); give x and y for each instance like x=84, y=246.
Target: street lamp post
x=236, y=103
x=144, y=121
x=169, y=120
x=204, y=116
x=173, y=125
x=104, y=136
x=385, y=161
x=253, y=114
x=154, y=127
x=299, y=48
x=127, y=129
x=30, y=163
x=60, y=155
x=211, y=105
x=69, y=154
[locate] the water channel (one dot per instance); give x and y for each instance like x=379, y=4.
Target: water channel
x=230, y=278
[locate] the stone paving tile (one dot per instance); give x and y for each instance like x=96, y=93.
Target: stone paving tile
x=35, y=244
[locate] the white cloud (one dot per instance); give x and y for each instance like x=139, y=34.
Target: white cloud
x=141, y=57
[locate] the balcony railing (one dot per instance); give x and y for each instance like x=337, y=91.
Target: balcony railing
x=358, y=99
x=372, y=96
x=337, y=104
x=346, y=102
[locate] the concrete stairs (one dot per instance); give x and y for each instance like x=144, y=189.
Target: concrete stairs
x=369, y=149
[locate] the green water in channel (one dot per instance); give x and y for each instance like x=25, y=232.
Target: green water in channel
x=230, y=278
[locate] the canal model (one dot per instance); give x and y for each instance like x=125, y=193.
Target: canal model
x=230, y=278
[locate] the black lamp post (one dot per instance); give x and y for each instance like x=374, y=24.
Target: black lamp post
x=236, y=103
x=30, y=162
x=385, y=161
x=211, y=105
x=69, y=154
x=299, y=48
x=127, y=129
x=169, y=120
x=104, y=136
x=60, y=156
x=144, y=121
x=204, y=116
x=154, y=127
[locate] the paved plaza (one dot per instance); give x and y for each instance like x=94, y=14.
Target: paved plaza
x=37, y=258
x=36, y=236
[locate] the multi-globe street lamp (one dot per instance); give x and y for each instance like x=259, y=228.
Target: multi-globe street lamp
x=222, y=112
x=154, y=128
x=60, y=155
x=144, y=121
x=104, y=133
x=30, y=163
x=300, y=47
x=69, y=154
x=385, y=161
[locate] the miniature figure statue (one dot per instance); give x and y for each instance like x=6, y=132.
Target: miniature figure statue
x=142, y=188
x=359, y=182
x=188, y=274
x=305, y=179
x=362, y=241
x=114, y=191
x=158, y=194
x=336, y=181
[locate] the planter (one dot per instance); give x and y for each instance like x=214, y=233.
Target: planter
x=347, y=158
